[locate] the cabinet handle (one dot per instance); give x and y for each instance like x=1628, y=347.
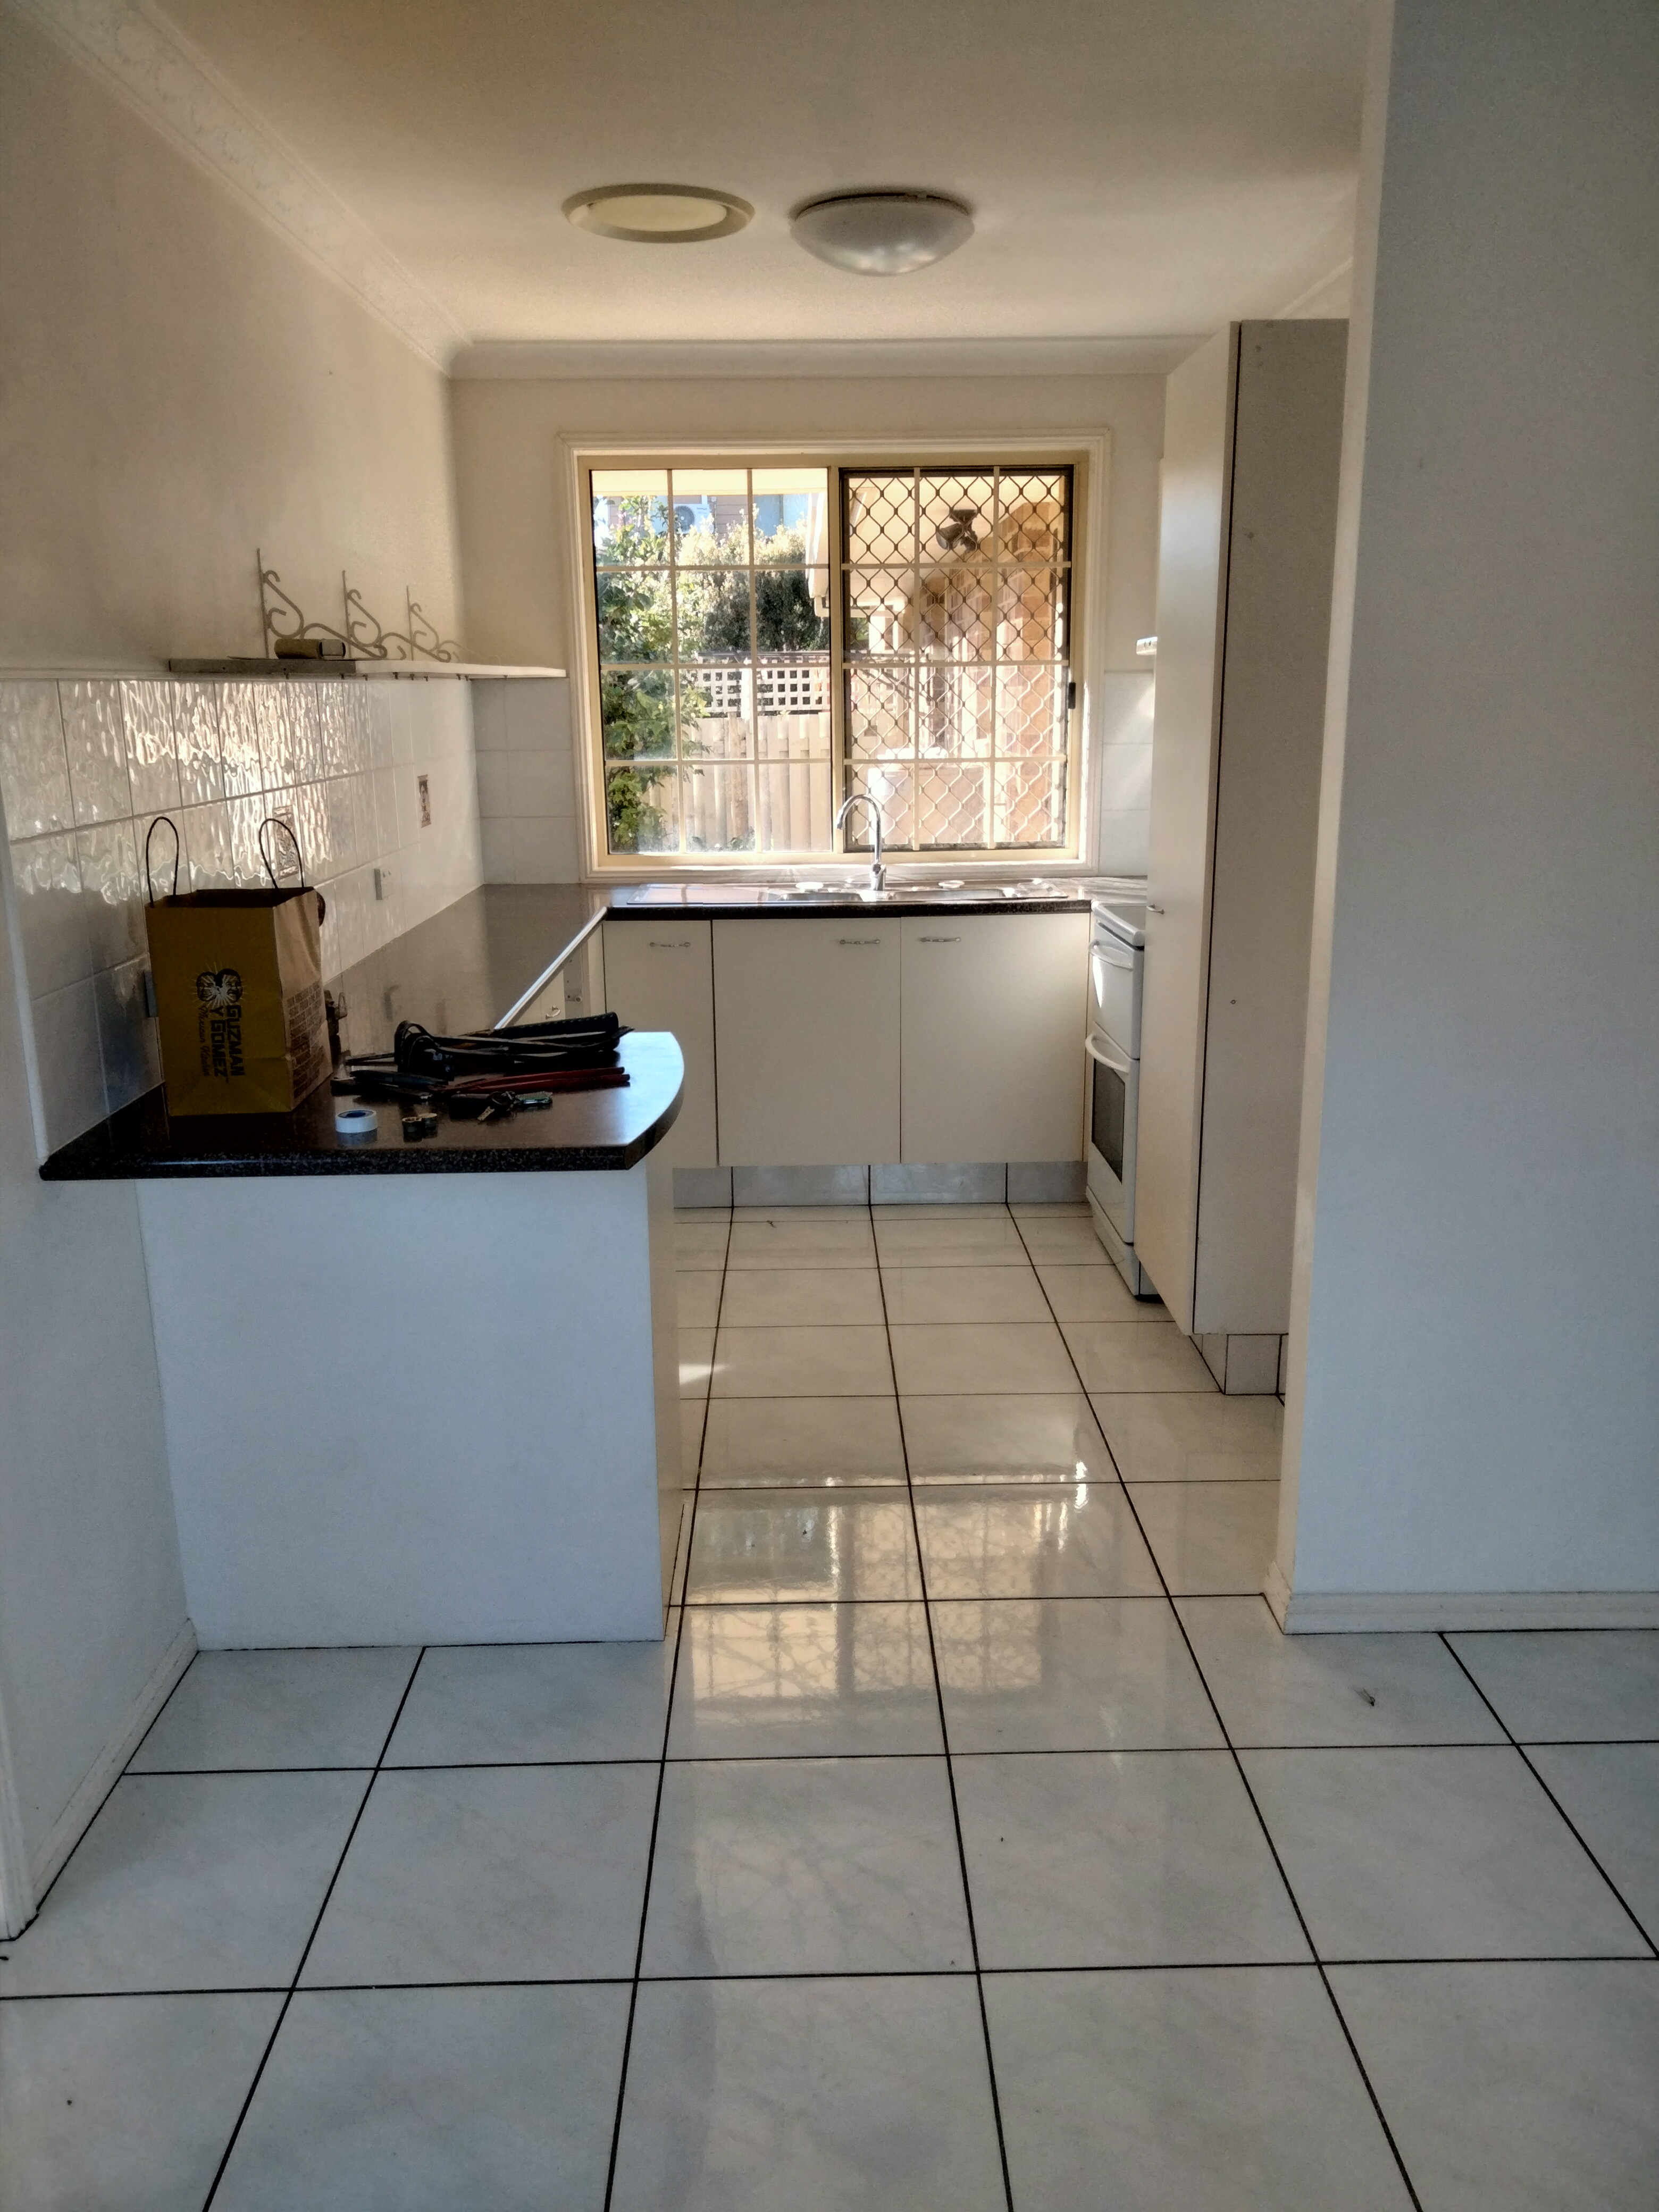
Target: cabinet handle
x=939, y=941
x=1151, y=908
x=858, y=940
x=668, y=944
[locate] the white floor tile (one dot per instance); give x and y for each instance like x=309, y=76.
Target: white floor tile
x=696, y=1348
x=1094, y=1293
x=803, y=1545
x=805, y=1866
x=1179, y=1435
x=843, y=1240
x=1063, y=1240
x=953, y=1238
x=1109, y=1859
x=819, y=2096
x=699, y=1296
x=1212, y=1538
x=265, y=1709
x=850, y=1361
x=123, y=2104
x=1574, y=1685
x=1067, y=1675
x=1610, y=1792
x=989, y=1541
x=1206, y=2090
x=811, y=1297
x=1124, y=1355
x=501, y=1703
x=1307, y=1689
x=964, y=1294
x=1045, y=1438
x=700, y=1247
x=802, y=1440
x=1433, y=1854
x=960, y=1359
x=693, y=1413
x=193, y=1881
x=428, y=2100
x=491, y=1874
x=795, y=1681
x=1528, y=2087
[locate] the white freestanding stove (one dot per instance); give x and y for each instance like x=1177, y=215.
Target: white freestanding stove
x=1112, y=1079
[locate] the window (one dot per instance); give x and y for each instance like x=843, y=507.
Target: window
x=768, y=639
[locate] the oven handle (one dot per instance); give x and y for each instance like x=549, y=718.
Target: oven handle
x=1106, y=1059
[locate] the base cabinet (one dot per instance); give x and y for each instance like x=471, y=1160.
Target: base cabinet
x=806, y=1013
x=995, y=1007
x=659, y=975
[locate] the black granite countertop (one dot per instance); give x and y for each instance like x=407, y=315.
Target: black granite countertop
x=582, y=1130
x=923, y=896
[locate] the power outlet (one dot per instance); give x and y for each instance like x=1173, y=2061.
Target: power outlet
x=425, y=789
x=382, y=883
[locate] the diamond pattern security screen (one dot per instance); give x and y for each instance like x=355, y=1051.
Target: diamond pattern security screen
x=712, y=595
x=956, y=596
x=728, y=724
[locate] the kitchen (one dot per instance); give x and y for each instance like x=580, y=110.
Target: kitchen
x=1093, y=1330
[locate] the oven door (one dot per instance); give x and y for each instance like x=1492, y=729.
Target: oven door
x=1113, y=1092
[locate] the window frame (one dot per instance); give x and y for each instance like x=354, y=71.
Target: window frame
x=1087, y=455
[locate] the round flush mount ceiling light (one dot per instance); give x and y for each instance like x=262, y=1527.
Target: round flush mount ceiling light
x=882, y=234
x=657, y=215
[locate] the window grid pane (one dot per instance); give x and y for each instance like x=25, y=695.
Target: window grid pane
x=712, y=598
x=956, y=604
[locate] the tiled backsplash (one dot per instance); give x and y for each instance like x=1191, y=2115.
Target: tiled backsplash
x=526, y=780
x=1123, y=771
x=87, y=763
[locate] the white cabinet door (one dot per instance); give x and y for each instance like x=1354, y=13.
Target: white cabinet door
x=995, y=1009
x=658, y=974
x=807, y=1013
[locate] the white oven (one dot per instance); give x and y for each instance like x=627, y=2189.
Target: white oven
x=1112, y=1078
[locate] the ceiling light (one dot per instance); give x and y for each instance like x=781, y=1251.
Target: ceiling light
x=882, y=234
x=657, y=215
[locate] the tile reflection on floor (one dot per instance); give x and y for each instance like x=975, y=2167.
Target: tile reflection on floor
x=973, y=1810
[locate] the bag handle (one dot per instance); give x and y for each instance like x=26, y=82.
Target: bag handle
x=149, y=885
x=276, y=821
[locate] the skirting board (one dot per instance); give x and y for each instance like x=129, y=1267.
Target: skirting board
x=1357, y=1612
x=105, y=1771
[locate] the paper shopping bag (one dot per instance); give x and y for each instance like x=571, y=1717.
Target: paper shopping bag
x=239, y=993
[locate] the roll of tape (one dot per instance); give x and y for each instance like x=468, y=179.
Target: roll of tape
x=356, y=1121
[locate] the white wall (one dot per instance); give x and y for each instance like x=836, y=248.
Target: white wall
x=1474, y=1400
x=511, y=506
x=91, y=1596
x=179, y=387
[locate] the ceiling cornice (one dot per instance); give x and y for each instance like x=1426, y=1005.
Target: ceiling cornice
x=134, y=51
x=509, y=359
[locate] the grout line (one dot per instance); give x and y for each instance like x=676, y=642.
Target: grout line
x=282, y=2014
x=950, y=1771
x=1572, y=1828
x=688, y=1534
x=1239, y=1767
x=856, y=1974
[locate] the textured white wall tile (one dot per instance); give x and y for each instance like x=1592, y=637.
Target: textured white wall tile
x=195, y=710
x=210, y=847
x=495, y=797
x=489, y=715
x=1124, y=840
x=97, y=745
x=532, y=708
x=238, y=740
x=33, y=766
x=152, y=763
x=70, y=1064
x=51, y=916
x=536, y=785
x=113, y=892
x=497, y=840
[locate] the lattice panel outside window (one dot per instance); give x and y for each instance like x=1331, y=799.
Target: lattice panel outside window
x=957, y=589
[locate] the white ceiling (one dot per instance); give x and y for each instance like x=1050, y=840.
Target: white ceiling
x=1138, y=168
